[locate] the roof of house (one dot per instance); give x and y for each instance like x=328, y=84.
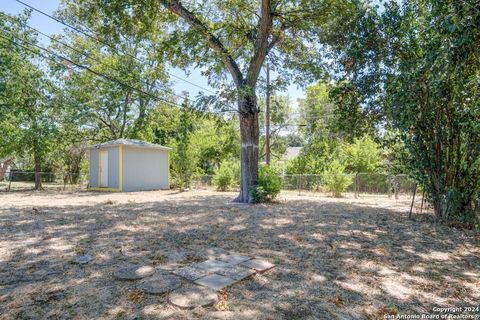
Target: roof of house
x=130, y=143
x=291, y=152
x=6, y=159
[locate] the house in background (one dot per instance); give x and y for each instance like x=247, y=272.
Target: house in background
x=290, y=153
x=128, y=165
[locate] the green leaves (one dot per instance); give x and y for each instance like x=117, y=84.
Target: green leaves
x=416, y=66
x=363, y=155
x=28, y=114
x=335, y=180
x=268, y=186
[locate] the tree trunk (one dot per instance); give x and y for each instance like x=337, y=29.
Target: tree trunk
x=38, y=169
x=249, y=136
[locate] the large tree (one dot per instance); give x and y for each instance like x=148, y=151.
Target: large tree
x=419, y=61
x=117, y=104
x=27, y=114
x=229, y=41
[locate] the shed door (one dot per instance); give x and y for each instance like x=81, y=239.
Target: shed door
x=104, y=168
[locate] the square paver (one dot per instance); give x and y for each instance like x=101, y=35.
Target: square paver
x=236, y=272
x=234, y=258
x=215, y=281
x=191, y=272
x=257, y=265
x=212, y=266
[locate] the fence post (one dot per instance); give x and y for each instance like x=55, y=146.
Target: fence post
x=299, y=184
x=389, y=179
x=413, y=200
x=356, y=187
x=10, y=175
x=65, y=178
x=423, y=197
x=395, y=187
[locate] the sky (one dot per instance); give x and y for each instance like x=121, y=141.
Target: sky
x=50, y=27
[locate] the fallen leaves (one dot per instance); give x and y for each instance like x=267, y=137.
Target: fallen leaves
x=79, y=250
x=222, y=304
x=383, y=250
x=338, y=301
x=389, y=310
x=158, y=258
x=109, y=202
x=136, y=296
x=298, y=238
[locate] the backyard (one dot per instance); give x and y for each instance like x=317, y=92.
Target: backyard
x=334, y=258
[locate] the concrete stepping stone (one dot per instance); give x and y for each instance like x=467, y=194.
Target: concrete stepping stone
x=191, y=272
x=212, y=266
x=215, y=281
x=234, y=258
x=192, y=297
x=258, y=265
x=170, y=266
x=133, y=272
x=236, y=272
x=160, y=284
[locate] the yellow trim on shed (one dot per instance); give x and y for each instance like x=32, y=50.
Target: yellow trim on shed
x=99, y=167
x=120, y=167
x=105, y=189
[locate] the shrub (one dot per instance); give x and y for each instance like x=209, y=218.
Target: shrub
x=335, y=180
x=363, y=155
x=268, y=185
x=228, y=175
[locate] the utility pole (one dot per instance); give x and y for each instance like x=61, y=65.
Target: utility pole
x=267, y=119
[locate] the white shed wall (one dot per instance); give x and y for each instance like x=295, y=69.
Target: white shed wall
x=144, y=169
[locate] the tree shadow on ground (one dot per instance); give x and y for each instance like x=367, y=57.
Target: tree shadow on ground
x=334, y=259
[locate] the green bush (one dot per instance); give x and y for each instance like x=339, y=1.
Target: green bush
x=363, y=155
x=268, y=185
x=335, y=180
x=228, y=175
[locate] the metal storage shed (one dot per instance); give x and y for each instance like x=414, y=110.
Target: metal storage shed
x=128, y=165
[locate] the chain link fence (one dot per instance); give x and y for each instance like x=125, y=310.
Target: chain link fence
x=17, y=180
x=362, y=185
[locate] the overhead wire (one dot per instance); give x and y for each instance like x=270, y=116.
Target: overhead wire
x=83, y=67
x=103, y=42
x=89, y=56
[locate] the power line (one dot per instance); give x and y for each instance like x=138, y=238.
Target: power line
x=104, y=43
x=82, y=67
x=89, y=55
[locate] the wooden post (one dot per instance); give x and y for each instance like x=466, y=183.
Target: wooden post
x=356, y=185
x=10, y=175
x=395, y=187
x=413, y=200
x=299, y=183
x=423, y=197
x=65, y=178
x=390, y=186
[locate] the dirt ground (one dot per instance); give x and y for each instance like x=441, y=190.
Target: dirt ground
x=335, y=258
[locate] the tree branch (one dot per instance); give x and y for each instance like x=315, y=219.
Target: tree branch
x=178, y=9
x=261, y=44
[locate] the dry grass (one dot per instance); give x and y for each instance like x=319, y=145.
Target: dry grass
x=335, y=258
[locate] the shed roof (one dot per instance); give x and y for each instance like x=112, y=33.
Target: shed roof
x=130, y=143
